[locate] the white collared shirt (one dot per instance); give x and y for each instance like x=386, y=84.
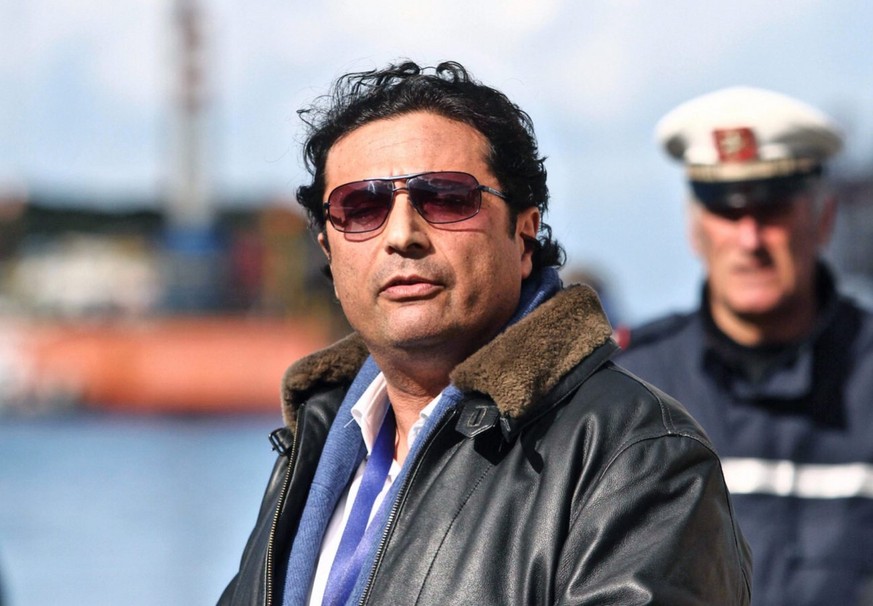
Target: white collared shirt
x=368, y=412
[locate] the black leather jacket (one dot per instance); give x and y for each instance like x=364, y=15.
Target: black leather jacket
x=561, y=479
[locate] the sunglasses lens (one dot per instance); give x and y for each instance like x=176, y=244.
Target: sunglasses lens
x=445, y=197
x=360, y=206
x=440, y=197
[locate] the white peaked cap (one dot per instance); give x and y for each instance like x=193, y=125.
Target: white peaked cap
x=743, y=133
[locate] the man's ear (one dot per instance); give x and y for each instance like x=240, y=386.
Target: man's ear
x=325, y=248
x=692, y=225
x=325, y=245
x=527, y=226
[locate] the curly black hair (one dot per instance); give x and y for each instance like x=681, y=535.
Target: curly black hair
x=448, y=90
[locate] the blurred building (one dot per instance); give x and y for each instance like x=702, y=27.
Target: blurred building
x=61, y=256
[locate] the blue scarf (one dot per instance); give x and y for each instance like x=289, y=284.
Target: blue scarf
x=344, y=450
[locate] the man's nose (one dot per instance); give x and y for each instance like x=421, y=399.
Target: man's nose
x=404, y=227
x=749, y=231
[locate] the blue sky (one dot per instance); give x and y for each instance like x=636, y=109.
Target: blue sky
x=85, y=88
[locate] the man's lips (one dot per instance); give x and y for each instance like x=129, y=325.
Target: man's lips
x=409, y=287
x=753, y=274
x=752, y=268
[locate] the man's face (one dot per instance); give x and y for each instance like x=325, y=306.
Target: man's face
x=761, y=263
x=410, y=285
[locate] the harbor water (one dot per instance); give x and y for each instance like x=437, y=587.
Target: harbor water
x=108, y=509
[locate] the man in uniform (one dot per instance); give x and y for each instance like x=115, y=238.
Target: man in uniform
x=471, y=443
x=775, y=364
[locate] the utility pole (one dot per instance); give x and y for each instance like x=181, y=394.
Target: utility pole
x=194, y=263
x=189, y=205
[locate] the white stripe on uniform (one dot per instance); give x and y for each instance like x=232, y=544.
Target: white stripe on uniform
x=804, y=480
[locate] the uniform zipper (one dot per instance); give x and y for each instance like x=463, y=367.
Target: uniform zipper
x=395, y=507
x=268, y=565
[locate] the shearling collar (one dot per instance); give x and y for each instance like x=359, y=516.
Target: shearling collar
x=516, y=369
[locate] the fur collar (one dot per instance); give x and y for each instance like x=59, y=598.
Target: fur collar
x=516, y=369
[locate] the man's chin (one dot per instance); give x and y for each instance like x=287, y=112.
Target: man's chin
x=411, y=335
x=755, y=296
x=759, y=308
x=426, y=339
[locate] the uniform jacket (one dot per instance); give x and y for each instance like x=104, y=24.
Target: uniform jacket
x=557, y=479
x=796, y=441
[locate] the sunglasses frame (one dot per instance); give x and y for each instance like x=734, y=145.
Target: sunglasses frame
x=394, y=191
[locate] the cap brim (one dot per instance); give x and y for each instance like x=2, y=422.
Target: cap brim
x=757, y=193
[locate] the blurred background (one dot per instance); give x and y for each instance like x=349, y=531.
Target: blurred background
x=156, y=276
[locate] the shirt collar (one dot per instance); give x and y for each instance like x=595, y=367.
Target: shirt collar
x=369, y=412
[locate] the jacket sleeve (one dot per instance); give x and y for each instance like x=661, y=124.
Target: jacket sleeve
x=656, y=528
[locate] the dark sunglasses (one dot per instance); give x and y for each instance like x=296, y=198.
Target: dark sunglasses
x=438, y=196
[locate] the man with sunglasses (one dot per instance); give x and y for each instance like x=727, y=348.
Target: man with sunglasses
x=775, y=364
x=471, y=442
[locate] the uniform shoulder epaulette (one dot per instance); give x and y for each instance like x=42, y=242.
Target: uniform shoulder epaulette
x=655, y=330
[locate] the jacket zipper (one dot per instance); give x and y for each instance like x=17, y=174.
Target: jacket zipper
x=392, y=514
x=268, y=565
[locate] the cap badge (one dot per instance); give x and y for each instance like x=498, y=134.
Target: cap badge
x=735, y=144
